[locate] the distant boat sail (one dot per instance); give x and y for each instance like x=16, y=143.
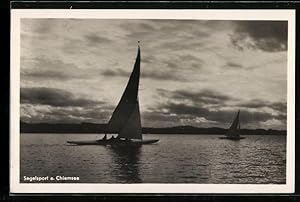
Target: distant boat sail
x=233, y=132
x=126, y=118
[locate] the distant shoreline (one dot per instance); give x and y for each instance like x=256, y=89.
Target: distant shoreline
x=82, y=128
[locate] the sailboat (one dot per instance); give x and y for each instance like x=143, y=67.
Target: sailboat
x=126, y=118
x=233, y=132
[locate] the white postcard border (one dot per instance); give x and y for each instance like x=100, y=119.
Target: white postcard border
x=17, y=187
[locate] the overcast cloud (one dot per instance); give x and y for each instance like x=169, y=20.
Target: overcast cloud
x=192, y=72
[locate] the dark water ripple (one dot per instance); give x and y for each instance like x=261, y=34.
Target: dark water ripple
x=176, y=159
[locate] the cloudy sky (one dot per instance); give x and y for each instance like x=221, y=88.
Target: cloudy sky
x=193, y=72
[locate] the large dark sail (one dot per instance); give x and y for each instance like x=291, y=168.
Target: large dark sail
x=234, y=130
x=133, y=128
x=128, y=103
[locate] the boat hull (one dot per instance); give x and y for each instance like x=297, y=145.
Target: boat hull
x=232, y=138
x=93, y=142
x=114, y=142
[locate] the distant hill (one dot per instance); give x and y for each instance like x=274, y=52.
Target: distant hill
x=100, y=128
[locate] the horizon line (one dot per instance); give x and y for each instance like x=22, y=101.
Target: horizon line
x=155, y=127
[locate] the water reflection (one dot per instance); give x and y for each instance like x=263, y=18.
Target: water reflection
x=203, y=159
x=228, y=160
x=126, y=160
x=233, y=149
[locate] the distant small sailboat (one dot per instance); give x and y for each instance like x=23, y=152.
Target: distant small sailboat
x=126, y=118
x=233, y=132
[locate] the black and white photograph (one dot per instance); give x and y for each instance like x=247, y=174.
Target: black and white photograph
x=138, y=101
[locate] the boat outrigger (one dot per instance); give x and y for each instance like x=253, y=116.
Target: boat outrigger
x=126, y=119
x=233, y=132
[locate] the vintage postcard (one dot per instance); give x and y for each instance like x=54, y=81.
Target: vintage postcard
x=152, y=101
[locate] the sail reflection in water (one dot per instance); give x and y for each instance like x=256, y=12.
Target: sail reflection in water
x=127, y=160
x=203, y=159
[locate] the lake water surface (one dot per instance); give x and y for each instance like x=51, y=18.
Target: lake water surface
x=175, y=159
